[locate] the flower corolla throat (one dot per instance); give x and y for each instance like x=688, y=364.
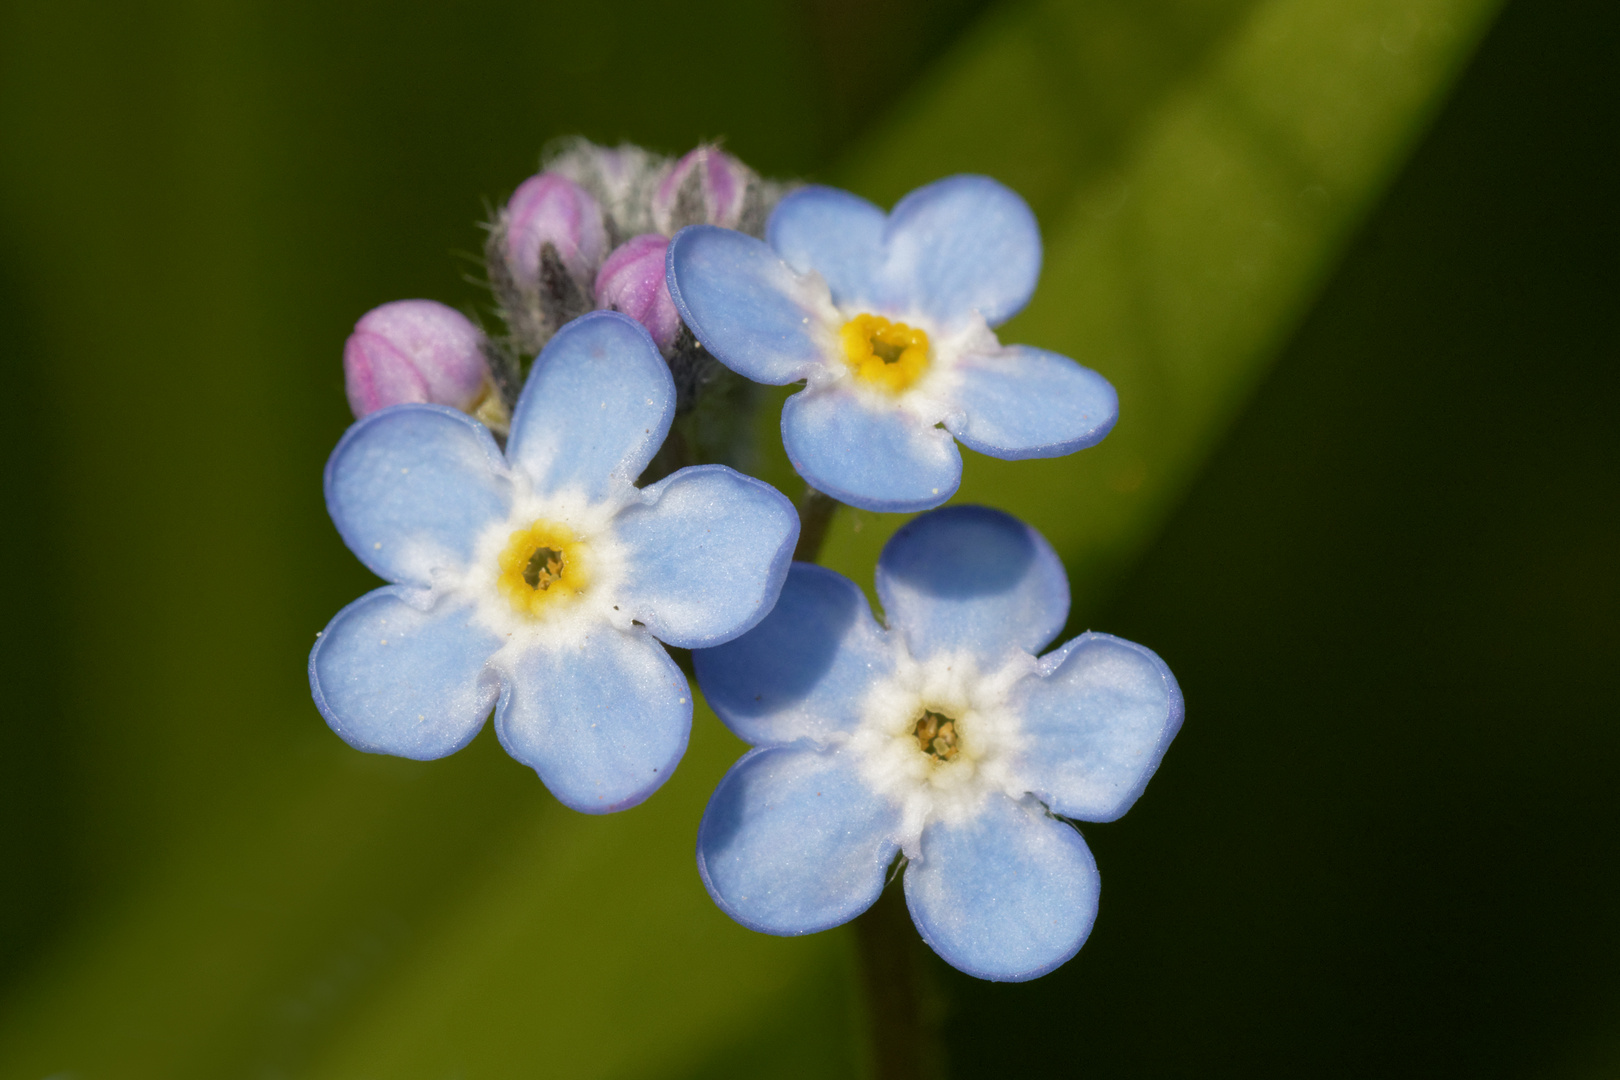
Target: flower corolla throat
x=543, y=566
x=885, y=354
x=936, y=738
x=936, y=735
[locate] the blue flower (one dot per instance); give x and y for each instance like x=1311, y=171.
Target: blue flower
x=888, y=320
x=943, y=736
x=536, y=582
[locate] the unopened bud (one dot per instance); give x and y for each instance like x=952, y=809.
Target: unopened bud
x=707, y=186
x=632, y=281
x=551, y=209
x=418, y=351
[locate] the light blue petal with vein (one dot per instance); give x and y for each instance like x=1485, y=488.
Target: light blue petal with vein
x=1007, y=895
x=596, y=408
x=804, y=670
x=836, y=234
x=708, y=551
x=963, y=244
x=393, y=678
x=603, y=720
x=794, y=842
x=874, y=457
x=1020, y=402
x=744, y=304
x=410, y=487
x=1097, y=723
x=975, y=579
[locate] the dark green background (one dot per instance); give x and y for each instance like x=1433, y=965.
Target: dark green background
x=1387, y=841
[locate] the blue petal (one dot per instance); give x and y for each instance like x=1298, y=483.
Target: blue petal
x=793, y=842
x=744, y=304
x=410, y=488
x=708, y=551
x=974, y=579
x=603, y=720
x=836, y=234
x=804, y=670
x=392, y=678
x=1097, y=724
x=596, y=407
x=1020, y=402
x=963, y=244
x=1007, y=895
x=876, y=458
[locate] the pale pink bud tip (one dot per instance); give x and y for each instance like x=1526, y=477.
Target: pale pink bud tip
x=414, y=350
x=632, y=281
x=553, y=209
x=722, y=180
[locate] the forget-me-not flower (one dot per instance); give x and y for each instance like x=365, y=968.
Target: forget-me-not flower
x=537, y=581
x=943, y=736
x=887, y=318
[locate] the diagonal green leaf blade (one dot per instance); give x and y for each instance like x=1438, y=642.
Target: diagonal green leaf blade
x=1209, y=199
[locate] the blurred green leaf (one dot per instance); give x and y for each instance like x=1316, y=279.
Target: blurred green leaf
x=1197, y=167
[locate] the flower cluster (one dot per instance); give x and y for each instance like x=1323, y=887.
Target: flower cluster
x=548, y=528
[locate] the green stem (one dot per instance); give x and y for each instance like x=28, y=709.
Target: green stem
x=903, y=1036
x=815, y=515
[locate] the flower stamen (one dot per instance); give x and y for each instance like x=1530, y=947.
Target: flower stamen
x=887, y=354
x=936, y=735
x=545, y=566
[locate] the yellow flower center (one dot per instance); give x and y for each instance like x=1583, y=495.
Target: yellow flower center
x=887, y=354
x=542, y=567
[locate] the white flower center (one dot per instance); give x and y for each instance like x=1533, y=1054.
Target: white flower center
x=937, y=739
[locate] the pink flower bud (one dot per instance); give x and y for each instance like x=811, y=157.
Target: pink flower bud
x=632, y=281
x=551, y=208
x=719, y=183
x=414, y=350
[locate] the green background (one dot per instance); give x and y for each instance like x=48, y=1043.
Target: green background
x=1352, y=266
